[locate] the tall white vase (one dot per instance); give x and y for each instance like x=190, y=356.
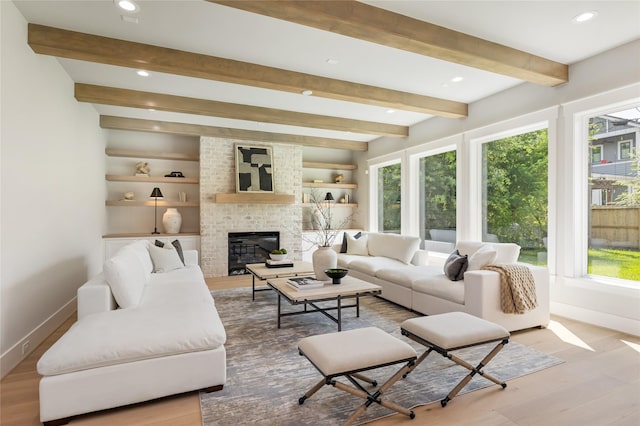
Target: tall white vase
x=324, y=258
x=172, y=221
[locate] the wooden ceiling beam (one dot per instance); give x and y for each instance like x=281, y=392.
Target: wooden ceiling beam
x=365, y=22
x=137, y=99
x=87, y=47
x=157, y=126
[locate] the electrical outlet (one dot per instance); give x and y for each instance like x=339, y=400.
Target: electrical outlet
x=25, y=347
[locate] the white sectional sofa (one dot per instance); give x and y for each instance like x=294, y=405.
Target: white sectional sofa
x=395, y=263
x=140, y=335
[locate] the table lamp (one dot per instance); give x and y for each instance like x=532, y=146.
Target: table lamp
x=156, y=193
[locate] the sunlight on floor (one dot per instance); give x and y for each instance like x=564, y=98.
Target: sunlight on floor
x=634, y=346
x=567, y=336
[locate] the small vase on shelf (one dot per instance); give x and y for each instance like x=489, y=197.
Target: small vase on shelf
x=172, y=221
x=324, y=258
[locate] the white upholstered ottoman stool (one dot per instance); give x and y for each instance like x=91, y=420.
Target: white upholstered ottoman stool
x=444, y=333
x=348, y=353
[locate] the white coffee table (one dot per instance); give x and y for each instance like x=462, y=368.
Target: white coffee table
x=350, y=288
x=262, y=272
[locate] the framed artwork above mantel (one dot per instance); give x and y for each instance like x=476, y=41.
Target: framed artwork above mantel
x=254, y=168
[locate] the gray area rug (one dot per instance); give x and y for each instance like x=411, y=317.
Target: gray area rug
x=266, y=375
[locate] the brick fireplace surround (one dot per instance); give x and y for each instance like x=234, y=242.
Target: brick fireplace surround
x=217, y=175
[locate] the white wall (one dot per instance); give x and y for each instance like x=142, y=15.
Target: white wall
x=613, y=74
x=53, y=192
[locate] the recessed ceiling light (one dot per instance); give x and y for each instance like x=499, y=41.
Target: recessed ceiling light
x=332, y=61
x=585, y=16
x=457, y=79
x=391, y=111
x=128, y=5
x=142, y=73
x=307, y=92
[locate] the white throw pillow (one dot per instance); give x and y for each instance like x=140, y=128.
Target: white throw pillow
x=357, y=245
x=126, y=277
x=485, y=255
x=165, y=258
x=141, y=250
x=507, y=252
x=393, y=246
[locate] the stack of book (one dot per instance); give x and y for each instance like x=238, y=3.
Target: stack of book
x=285, y=263
x=304, y=283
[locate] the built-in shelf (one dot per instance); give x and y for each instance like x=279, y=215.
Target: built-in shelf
x=333, y=166
x=112, y=152
x=151, y=179
x=151, y=203
x=149, y=234
x=254, y=198
x=329, y=185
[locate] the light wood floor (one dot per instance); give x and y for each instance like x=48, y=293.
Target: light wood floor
x=599, y=384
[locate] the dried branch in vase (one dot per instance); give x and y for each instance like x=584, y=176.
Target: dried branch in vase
x=323, y=220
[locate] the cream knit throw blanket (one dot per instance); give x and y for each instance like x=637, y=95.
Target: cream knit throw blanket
x=517, y=288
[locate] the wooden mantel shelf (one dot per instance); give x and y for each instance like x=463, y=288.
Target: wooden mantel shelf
x=254, y=198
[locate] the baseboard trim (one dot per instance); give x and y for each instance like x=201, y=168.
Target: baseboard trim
x=13, y=356
x=600, y=319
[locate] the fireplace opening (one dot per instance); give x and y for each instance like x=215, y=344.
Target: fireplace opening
x=250, y=247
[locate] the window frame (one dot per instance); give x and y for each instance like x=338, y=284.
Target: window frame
x=577, y=230
x=373, y=170
x=472, y=189
x=542, y=125
x=413, y=155
x=630, y=142
x=601, y=146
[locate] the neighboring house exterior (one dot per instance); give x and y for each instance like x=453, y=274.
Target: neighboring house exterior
x=612, y=157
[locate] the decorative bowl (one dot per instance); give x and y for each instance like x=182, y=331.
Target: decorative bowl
x=277, y=256
x=336, y=274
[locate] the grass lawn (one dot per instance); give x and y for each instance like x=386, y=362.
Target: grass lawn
x=624, y=264
x=614, y=263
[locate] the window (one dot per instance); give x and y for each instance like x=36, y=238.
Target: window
x=515, y=193
x=389, y=198
x=596, y=154
x=437, y=186
x=624, y=150
x=613, y=248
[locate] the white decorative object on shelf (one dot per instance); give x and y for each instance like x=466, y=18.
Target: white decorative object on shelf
x=324, y=258
x=142, y=168
x=172, y=221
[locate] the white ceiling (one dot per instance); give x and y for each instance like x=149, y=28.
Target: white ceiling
x=543, y=28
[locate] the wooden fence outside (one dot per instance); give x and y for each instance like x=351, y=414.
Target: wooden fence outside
x=615, y=226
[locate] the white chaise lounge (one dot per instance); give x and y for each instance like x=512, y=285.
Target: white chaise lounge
x=139, y=336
